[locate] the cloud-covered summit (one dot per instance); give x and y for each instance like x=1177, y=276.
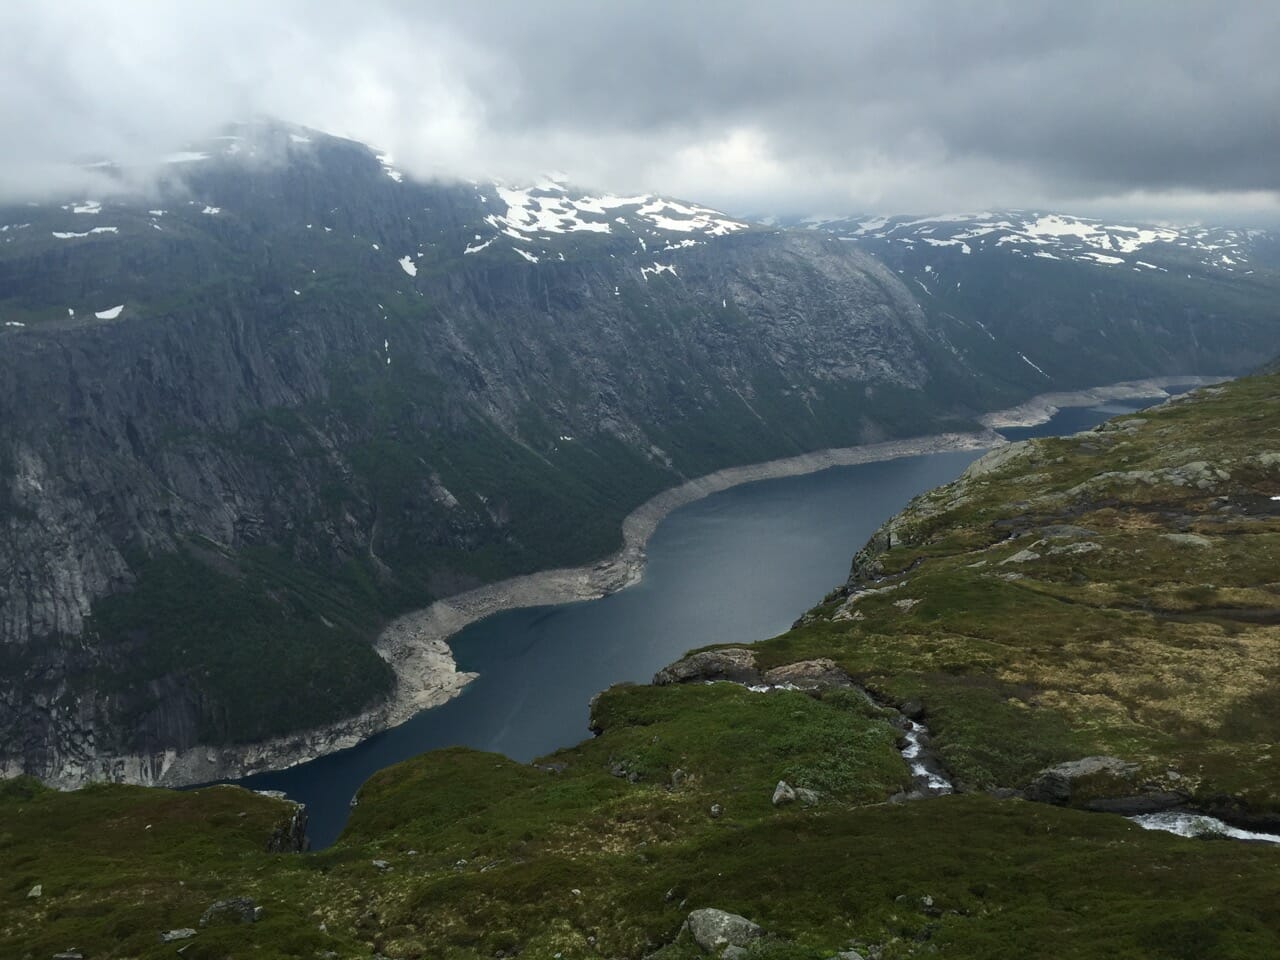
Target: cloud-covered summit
x=1167, y=109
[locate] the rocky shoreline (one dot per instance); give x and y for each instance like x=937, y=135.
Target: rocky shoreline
x=416, y=646
x=1041, y=409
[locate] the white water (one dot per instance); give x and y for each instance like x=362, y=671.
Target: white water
x=929, y=782
x=1198, y=825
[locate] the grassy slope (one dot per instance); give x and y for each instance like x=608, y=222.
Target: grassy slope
x=1123, y=649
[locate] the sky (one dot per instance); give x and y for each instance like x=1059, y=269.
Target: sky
x=1168, y=109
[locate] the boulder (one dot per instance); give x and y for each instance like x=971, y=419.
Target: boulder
x=182, y=933
x=1056, y=784
x=809, y=675
x=807, y=797
x=35, y=892
x=233, y=910
x=714, y=930
x=733, y=664
x=783, y=793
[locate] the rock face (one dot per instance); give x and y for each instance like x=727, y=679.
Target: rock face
x=713, y=930
x=291, y=835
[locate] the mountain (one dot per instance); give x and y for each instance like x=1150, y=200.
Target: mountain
x=1079, y=627
x=1058, y=291
x=289, y=393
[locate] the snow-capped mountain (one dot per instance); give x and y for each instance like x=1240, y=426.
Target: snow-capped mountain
x=1058, y=236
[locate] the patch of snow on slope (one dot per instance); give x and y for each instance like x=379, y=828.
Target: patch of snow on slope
x=1100, y=258
x=1028, y=359
x=212, y=211
x=657, y=269
x=388, y=169
x=476, y=248
x=88, y=206
x=408, y=266
x=186, y=156
x=528, y=256
x=109, y=314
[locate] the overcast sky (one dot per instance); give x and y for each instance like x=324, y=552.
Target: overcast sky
x=1168, y=108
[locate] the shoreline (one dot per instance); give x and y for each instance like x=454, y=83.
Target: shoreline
x=1042, y=408
x=415, y=644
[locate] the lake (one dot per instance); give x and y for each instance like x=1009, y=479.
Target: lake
x=739, y=566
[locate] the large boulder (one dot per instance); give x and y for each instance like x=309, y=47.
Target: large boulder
x=1059, y=784
x=715, y=930
x=809, y=675
x=732, y=663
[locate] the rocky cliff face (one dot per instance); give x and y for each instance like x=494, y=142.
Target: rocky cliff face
x=250, y=417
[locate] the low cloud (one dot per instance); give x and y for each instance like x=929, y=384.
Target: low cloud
x=1153, y=108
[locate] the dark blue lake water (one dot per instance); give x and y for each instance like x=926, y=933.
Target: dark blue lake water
x=738, y=566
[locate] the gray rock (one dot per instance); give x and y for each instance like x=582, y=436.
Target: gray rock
x=69, y=955
x=182, y=933
x=715, y=811
x=1188, y=539
x=733, y=953
x=733, y=664
x=382, y=865
x=714, y=930
x=807, y=797
x=1055, y=784
x=35, y=891
x=783, y=793
x=232, y=910
x=809, y=675
x=912, y=710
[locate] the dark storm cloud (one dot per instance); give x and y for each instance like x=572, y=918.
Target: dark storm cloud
x=817, y=106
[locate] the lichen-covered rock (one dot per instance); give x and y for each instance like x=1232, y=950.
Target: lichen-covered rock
x=1057, y=784
x=714, y=930
x=232, y=910
x=733, y=664
x=809, y=675
x=783, y=794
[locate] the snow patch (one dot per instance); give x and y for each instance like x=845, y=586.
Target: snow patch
x=408, y=266
x=110, y=313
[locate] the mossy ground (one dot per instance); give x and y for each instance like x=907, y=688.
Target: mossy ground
x=1160, y=651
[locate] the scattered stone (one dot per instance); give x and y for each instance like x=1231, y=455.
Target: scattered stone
x=715, y=811
x=906, y=603
x=848, y=955
x=733, y=664
x=382, y=865
x=783, y=793
x=35, y=891
x=182, y=933
x=233, y=910
x=714, y=930
x=1187, y=539
x=912, y=710
x=72, y=954
x=1088, y=546
x=678, y=777
x=1022, y=556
